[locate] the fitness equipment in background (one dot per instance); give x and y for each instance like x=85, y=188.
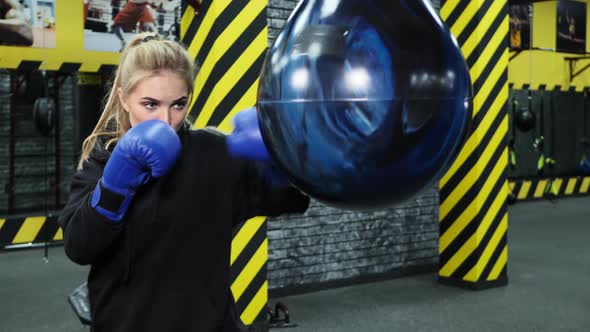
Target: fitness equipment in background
x=550, y=190
x=544, y=159
x=511, y=199
x=279, y=318
x=78, y=300
x=512, y=138
x=524, y=118
x=546, y=153
x=44, y=110
x=44, y=121
x=523, y=121
x=539, y=141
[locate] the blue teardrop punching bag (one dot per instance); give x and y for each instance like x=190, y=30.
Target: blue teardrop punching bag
x=364, y=103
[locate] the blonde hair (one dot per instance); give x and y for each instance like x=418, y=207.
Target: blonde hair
x=145, y=55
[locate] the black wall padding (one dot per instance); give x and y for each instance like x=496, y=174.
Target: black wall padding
x=88, y=111
x=567, y=108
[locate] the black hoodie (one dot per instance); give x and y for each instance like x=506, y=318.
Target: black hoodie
x=165, y=266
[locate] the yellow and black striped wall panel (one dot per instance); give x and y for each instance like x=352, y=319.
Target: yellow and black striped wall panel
x=24, y=230
x=473, y=213
x=228, y=40
x=543, y=188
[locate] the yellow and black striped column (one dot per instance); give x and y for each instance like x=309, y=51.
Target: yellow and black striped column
x=473, y=216
x=228, y=40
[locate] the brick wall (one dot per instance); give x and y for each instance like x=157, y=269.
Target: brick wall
x=277, y=13
x=331, y=246
x=327, y=246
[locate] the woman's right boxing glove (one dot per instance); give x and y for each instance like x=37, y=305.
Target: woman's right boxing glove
x=246, y=142
x=147, y=150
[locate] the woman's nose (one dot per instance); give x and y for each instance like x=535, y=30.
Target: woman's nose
x=164, y=115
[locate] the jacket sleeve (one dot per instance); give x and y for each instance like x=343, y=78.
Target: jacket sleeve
x=87, y=234
x=259, y=197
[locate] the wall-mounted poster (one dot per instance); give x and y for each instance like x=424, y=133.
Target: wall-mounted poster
x=571, y=26
x=520, y=24
x=110, y=24
x=27, y=23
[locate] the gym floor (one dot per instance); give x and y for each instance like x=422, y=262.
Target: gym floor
x=548, y=290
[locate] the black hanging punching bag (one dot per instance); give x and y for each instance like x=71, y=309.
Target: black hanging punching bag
x=525, y=119
x=44, y=114
x=44, y=111
x=364, y=103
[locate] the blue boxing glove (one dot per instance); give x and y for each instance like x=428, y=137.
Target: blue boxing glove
x=246, y=139
x=147, y=150
x=246, y=142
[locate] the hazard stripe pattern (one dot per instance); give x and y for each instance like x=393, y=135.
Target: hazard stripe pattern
x=25, y=230
x=248, y=268
x=473, y=212
x=550, y=87
x=549, y=188
x=228, y=41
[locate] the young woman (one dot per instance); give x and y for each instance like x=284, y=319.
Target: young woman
x=153, y=203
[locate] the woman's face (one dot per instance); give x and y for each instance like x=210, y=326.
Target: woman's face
x=162, y=96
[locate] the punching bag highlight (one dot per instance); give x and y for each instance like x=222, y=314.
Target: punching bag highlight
x=364, y=103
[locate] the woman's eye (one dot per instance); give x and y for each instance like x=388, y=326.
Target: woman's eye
x=149, y=105
x=179, y=106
